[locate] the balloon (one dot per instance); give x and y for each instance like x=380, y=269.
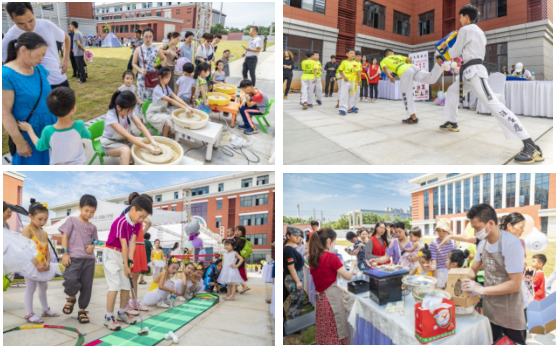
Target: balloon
x=446, y=66
x=157, y=61
x=441, y=95
x=453, y=65
x=536, y=241
x=180, y=63
x=457, y=70
x=188, y=244
x=529, y=224
x=192, y=228
x=197, y=243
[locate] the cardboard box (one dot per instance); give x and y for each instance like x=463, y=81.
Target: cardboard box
x=453, y=286
x=432, y=327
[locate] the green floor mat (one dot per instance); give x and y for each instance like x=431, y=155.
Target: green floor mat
x=160, y=324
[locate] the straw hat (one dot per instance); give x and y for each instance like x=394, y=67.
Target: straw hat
x=444, y=224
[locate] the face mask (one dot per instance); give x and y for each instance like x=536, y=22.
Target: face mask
x=482, y=234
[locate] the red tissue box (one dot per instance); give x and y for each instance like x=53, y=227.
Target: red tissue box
x=430, y=328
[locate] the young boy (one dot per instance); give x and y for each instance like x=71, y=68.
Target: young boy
x=473, y=77
x=121, y=242
x=78, y=247
x=256, y=104
x=539, y=260
x=63, y=139
x=408, y=73
x=195, y=285
x=307, y=80
x=358, y=60
x=186, y=85
x=347, y=84
x=318, y=84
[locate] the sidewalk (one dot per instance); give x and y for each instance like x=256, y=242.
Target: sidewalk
x=244, y=322
x=376, y=136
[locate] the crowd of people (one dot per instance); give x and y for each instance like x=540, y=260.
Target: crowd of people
x=128, y=257
x=510, y=281
x=38, y=103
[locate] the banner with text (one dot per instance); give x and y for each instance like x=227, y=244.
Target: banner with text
x=421, y=90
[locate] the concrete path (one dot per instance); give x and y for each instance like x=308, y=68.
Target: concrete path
x=376, y=136
x=244, y=322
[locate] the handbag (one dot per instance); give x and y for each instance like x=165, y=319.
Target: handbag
x=152, y=78
x=11, y=145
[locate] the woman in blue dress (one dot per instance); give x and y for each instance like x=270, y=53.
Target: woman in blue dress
x=22, y=76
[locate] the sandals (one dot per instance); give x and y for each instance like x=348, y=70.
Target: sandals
x=49, y=313
x=32, y=318
x=142, y=283
x=244, y=290
x=69, y=307
x=82, y=317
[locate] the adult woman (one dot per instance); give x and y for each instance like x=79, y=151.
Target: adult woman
x=7, y=214
x=175, y=249
x=378, y=243
x=169, y=51
x=374, y=75
x=24, y=91
x=300, y=247
x=292, y=273
x=394, y=252
x=364, y=79
x=288, y=64
x=144, y=63
x=205, y=52
x=239, y=242
x=331, y=317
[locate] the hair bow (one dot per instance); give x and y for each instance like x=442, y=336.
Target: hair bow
x=420, y=254
x=44, y=205
x=174, y=259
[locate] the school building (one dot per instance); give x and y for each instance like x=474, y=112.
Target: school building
x=13, y=194
x=452, y=195
x=243, y=198
x=516, y=30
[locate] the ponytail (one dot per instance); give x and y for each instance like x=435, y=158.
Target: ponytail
x=126, y=100
x=29, y=40
x=163, y=70
x=204, y=66
x=317, y=245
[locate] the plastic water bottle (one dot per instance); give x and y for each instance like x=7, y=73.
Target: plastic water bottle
x=533, y=75
x=237, y=95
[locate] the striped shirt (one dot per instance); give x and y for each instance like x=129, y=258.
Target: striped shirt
x=440, y=255
x=122, y=228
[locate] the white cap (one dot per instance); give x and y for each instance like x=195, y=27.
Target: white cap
x=519, y=67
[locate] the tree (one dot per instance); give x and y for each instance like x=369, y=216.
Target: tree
x=342, y=223
x=106, y=28
x=219, y=29
x=235, y=30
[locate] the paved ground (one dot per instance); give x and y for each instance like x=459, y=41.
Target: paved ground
x=244, y=322
x=376, y=136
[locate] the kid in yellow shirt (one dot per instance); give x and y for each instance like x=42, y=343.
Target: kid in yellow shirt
x=347, y=85
x=308, y=80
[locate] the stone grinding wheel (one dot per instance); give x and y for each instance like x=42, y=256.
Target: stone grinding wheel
x=163, y=157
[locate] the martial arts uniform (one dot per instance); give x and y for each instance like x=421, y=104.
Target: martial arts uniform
x=407, y=74
x=471, y=44
x=348, y=90
x=307, y=81
x=319, y=81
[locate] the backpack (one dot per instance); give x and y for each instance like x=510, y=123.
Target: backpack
x=247, y=250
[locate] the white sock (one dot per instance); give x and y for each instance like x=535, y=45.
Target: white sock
x=121, y=311
x=109, y=314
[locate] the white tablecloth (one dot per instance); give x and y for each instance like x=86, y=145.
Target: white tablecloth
x=308, y=285
x=267, y=273
x=388, y=90
x=272, y=308
x=401, y=329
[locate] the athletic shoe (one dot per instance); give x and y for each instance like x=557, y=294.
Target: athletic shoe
x=304, y=106
x=285, y=97
x=181, y=298
x=319, y=102
x=251, y=131
x=112, y=324
x=410, y=121
x=162, y=304
x=342, y=113
x=354, y=110
x=529, y=154
x=450, y=126
x=126, y=317
x=310, y=105
x=243, y=126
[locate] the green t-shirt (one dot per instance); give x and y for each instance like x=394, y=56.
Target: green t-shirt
x=65, y=145
x=392, y=62
x=307, y=67
x=349, y=69
x=318, y=69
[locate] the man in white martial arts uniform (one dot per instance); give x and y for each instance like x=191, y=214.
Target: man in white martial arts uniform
x=408, y=73
x=471, y=45
x=307, y=80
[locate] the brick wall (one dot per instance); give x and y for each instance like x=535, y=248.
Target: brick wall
x=328, y=20
x=80, y=9
x=418, y=205
x=12, y=187
x=552, y=191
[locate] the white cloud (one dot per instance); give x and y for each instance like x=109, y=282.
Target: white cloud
x=357, y=186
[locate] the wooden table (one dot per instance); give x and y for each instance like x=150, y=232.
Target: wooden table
x=232, y=108
x=209, y=134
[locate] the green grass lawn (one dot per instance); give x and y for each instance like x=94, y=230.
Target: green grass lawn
x=105, y=76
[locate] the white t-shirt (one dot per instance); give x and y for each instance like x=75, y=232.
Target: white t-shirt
x=185, y=85
x=159, y=93
x=111, y=118
x=204, y=52
x=254, y=43
x=512, y=250
x=52, y=34
x=123, y=88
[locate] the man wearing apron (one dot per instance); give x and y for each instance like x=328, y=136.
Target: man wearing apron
x=501, y=254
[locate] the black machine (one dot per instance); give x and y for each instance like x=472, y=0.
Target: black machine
x=386, y=286
x=358, y=286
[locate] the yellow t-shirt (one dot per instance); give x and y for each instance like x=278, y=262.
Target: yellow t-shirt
x=425, y=274
x=318, y=69
x=392, y=62
x=307, y=67
x=349, y=69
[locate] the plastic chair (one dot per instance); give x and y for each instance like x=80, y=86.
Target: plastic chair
x=144, y=108
x=260, y=117
x=97, y=130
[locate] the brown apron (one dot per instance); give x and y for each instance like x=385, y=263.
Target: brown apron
x=502, y=310
x=335, y=297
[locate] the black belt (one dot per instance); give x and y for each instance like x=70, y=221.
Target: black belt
x=462, y=69
x=251, y=57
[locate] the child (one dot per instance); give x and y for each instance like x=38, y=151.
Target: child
x=78, y=247
x=203, y=70
x=415, y=235
x=230, y=233
x=348, y=83
x=63, y=139
x=440, y=252
x=359, y=250
x=117, y=264
x=148, y=250
x=119, y=133
x=186, y=85
x=407, y=72
x=307, y=80
x=227, y=56
x=318, y=84
x=358, y=60
x=219, y=75
x=425, y=267
x=230, y=274
x=128, y=78
x=157, y=258
x=539, y=260
x=181, y=281
x=256, y=104
x=40, y=269
x=457, y=258
x=211, y=275
x=195, y=283
x=473, y=77
x=157, y=114
x=162, y=285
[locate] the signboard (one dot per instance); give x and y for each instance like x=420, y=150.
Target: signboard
x=421, y=90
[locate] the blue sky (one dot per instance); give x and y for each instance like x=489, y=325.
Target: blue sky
x=56, y=188
x=336, y=194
